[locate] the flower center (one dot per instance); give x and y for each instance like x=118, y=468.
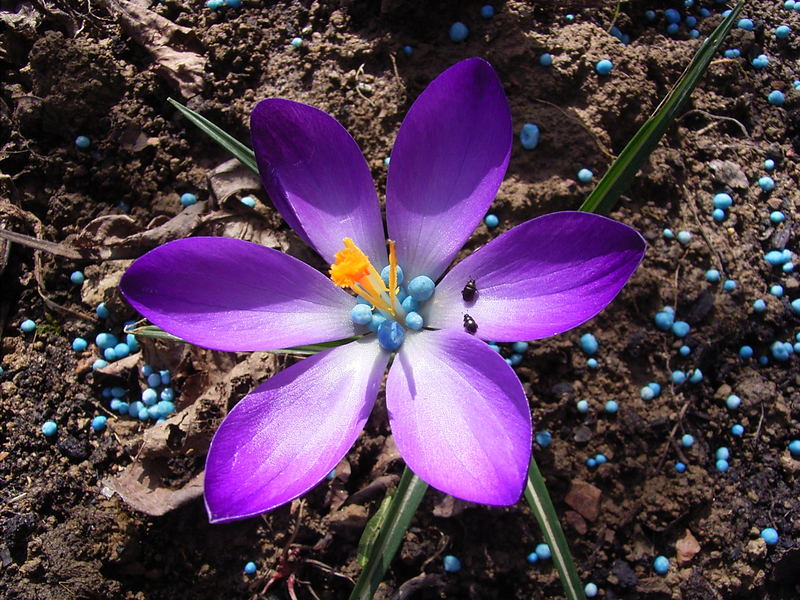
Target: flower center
x=385, y=307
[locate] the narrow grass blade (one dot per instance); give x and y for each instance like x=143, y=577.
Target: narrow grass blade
x=545, y=513
x=370, y=534
x=619, y=176
x=141, y=329
x=227, y=141
x=401, y=510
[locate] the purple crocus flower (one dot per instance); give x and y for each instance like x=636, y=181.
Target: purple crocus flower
x=457, y=410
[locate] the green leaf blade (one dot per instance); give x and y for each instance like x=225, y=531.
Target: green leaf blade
x=398, y=517
x=245, y=155
x=619, y=176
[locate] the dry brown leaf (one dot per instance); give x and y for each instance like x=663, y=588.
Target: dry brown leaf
x=232, y=178
x=183, y=69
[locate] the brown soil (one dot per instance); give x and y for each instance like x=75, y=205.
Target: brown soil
x=73, y=68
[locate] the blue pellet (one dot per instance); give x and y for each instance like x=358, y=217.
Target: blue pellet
x=117, y=392
x=585, y=175
x=248, y=201
x=745, y=24
x=590, y=590
x=532, y=558
x=101, y=311
x=592, y=363
x=458, y=32
x=766, y=183
x=680, y=467
x=732, y=53
x=696, y=376
x=361, y=314
x=28, y=325
x=49, y=428
x=516, y=359
x=611, y=407
x=722, y=465
x=544, y=438
x=745, y=352
x=737, y=430
x=546, y=60
x=661, y=565
x=122, y=350
x=600, y=459
x=99, y=423
x=543, y=551
x=794, y=448
x=687, y=440
x=664, y=320
x=520, y=347
x=187, y=199
x=778, y=351
x=296, y=42
x=99, y=364
x=718, y=215
x=491, y=221
x=646, y=393
x=77, y=277
x=759, y=306
x=760, y=61
x=684, y=350
x=782, y=32
x=582, y=406
x=110, y=354
x=589, y=344
x=672, y=16
x=722, y=453
x=775, y=98
x=770, y=536
x=591, y=463
x=149, y=396
x=733, y=402
x=681, y=328
x=684, y=237
x=451, y=564
x=712, y=276
x=655, y=387
x=408, y=50
x=79, y=344
x=250, y=567
x=82, y=142
x=775, y=258
x=603, y=67
x=487, y=11
x=776, y=290
x=678, y=377
x=673, y=28
x=399, y=274
x=167, y=394
x=729, y=285
x=769, y=164
x=165, y=376
x=529, y=136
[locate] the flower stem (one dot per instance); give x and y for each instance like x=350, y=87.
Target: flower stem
x=545, y=513
x=401, y=510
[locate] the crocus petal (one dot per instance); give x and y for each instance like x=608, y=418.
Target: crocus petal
x=286, y=436
x=459, y=416
x=543, y=277
x=317, y=178
x=449, y=159
x=233, y=295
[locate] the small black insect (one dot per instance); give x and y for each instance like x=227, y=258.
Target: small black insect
x=469, y=291
x=469, y=324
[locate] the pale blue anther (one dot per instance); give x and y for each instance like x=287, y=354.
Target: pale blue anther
x=414, y=321
x=391, y=335
x=410, y=304
x=377, y=320
x=385, y=274
x=361, y=314
x=421, y=288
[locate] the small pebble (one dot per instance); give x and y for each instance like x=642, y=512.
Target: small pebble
x=49, y=428
x=451, y=564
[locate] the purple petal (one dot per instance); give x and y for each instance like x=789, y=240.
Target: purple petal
x=449, y=159
x=232, y=295
x=317, y=178
x=543, y=277
x=286, y=436
x=459, y=416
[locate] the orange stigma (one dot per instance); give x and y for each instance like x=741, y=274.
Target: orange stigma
x=352, y=269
